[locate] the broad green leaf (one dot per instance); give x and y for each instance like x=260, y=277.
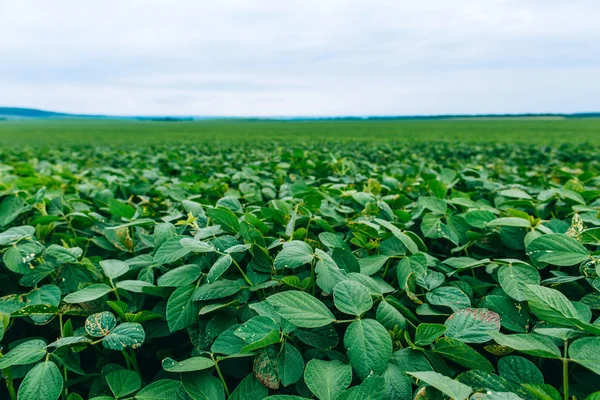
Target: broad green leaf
x=290, y=365
x=397, y=383
x=427, y=333
x=188, y=365
x=171, y=251
x=557, y=249
x=449, y=387
x=180, y=276
x=89, y=293
x=368, y=346
x=471, y=325
x=532, y=344
x=224, y=217
x=42, y=382
x=202, y=386
x=126, y=335
x=586, y=352
x=448, y=296
x=510, y=221
x=114, y=268
x=24, y=353
x=301, y=309
x=10, y=208
x=514, y=278
x=123, y=382
x=371, y=265
x=249, y=387
x=100, y=324
x=12, y=235
x=352, y=298
x=542, y=392
x=182, y=310
x=327, y=379
x=405, y=239
x=218, y=290
x=390, y=317
x=460, y=353
x=161, y=390
x=256, y=329
x=372, y=388
x=294, y=254
x=519, y=370
x=219, y=268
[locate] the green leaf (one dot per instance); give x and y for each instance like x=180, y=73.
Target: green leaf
x=293, y=255
x=448, y=296
x=203, y=386
x=449, y=387
x=514, y=278
x=372, y=265
x=161, y=390
x=171, y=251
x=368, y=346
x=249, y=388
x=301, y=309
x=531, y=343
x=10, y=208
x=12, y=235
x=513, y=316
x=372, y=388
x=519, y=370
x=410, y=245
x=471, y=325
x=127, y=335
x=69, y=341
x=290, y=365
x=224, y=217
x=188, y=365
x=542, y=392
x=265, y=367
x=352, y=298
x=510, y=221
x=42, y=382
x=557, y=249
x=427, y=333
x=460, y=353
x=586, y=352
x=256, y=329
x=180, y=276
x=182, y=311
x=552, y=306
x=89, y=293
x=64, y=255
x=123, y=382
x=219, y=268
x=100, y=324
x=135, y=286
x=114, y=268
x=218, y=290
x=390, y=317
x=327, y=379
x=397, y=383
x=24, y=353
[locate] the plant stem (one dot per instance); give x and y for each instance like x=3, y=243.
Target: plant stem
x=126, y=357
x=565, y=362
x=221, y=378
x=248, y=281
x=312, y=277
x=9, y=382
x=134, y=362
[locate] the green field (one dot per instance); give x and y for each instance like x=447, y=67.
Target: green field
x=51, y=132
x=338, y=260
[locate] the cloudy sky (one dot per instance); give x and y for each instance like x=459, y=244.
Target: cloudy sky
x=300, y=57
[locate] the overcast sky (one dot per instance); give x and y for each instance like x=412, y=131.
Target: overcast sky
x=300, y=57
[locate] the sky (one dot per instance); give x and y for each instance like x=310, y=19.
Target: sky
x=300, y=57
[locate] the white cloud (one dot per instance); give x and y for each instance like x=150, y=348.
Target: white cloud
x=268, y=57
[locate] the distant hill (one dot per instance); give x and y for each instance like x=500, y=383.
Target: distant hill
x=17, y=112
x=9, y=113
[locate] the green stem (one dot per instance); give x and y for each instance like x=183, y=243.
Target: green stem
x=9, y=382
x=115, y=290
x=312, y=277
x=126, y=357
x=565, y=362
x=134, y=362
x=221, y=378
x=248, y=281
